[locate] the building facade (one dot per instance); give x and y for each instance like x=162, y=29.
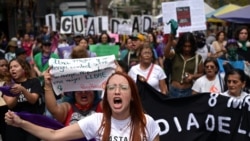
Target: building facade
x=27, y=16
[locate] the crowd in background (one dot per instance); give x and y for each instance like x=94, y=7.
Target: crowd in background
x=189, y=64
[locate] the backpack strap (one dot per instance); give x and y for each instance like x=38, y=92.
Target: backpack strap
x=208, y=48
x=196, y=63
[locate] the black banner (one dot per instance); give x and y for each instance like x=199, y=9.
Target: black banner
x=203, y=117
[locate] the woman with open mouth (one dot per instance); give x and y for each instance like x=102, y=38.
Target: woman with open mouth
x=26, y=96
x=122, y=117
x=211, y=81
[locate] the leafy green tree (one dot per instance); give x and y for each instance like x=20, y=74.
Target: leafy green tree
x=219, y=3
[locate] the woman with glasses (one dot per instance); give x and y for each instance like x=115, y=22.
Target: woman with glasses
x=153, y=73
x=211, y=81
x=122, y=117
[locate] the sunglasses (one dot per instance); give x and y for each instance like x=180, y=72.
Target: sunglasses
x=47, y=44
x=209, y=66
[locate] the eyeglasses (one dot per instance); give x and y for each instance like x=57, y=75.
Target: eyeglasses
x=122, y=87
x=209, y=66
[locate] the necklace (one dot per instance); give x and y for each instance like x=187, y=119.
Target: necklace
x=125, y=127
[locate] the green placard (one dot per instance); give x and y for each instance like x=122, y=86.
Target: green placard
x=104, y=50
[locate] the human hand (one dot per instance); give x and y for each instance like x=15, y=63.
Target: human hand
x=47, y=77
x=188, y=77
x=247, y=63
x=118, y=67
x=12, y=119
x=16, y=89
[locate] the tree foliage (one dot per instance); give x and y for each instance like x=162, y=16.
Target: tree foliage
x=219, y=3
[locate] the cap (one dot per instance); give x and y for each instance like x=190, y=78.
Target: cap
x=199, y=35
x=46, y=42
x=232, y=43
x=12, y=43
x=14, y=39
x=20, y=51
x=138, y=36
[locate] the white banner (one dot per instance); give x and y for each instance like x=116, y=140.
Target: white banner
x=81, y=74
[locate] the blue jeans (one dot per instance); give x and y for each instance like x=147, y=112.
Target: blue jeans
x=177, y=93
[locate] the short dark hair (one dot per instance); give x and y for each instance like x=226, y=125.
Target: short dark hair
x=240, y=72
x=214, y=60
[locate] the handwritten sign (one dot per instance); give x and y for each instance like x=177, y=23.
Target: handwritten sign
x=81, y=74
x=105, y=49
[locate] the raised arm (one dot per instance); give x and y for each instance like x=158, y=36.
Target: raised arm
x=168, y=46
x=58, y=110
x=67, y=133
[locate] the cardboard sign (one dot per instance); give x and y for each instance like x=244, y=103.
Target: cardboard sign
x=66, y=25
x=78, y=24
x=105, y=49
x=147, y=22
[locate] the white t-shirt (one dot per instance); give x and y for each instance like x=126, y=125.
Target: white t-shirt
x=203, y=52
x=120, y=129
x=153, y=80
x=202, y=85
x=242, y=95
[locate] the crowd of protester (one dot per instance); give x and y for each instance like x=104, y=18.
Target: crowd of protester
x=191, y=64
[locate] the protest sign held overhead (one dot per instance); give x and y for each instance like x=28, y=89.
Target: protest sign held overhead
x=105, y=49
x=66, y=25
x=189, y=14
x=91, y=30
x=78, y=24
x=136, y=22
x=102, y=24
x=81, y=74
x=50, y=21
x=114, y=23
x=147, y=22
